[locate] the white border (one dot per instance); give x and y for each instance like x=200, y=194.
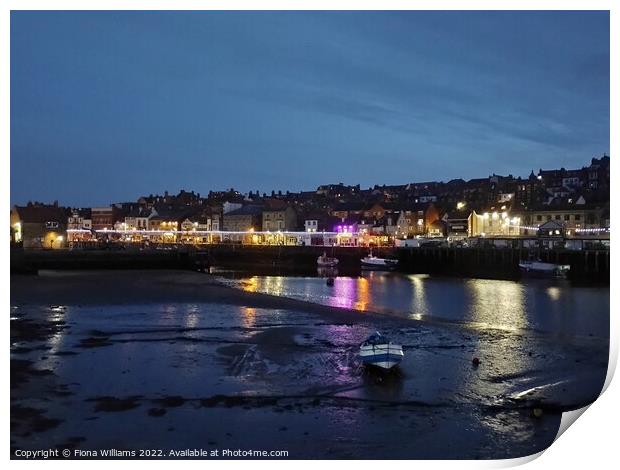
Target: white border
x=592, y=442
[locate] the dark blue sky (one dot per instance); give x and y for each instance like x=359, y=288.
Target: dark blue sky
x=107, y=106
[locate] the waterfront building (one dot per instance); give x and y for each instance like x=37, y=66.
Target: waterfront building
x=247, y=218
x=311, y=225
x=138, y=218
x=576, y=215
x=495, y=221
x=416, y=219
x=166, y=222
x=457, y=223
x=79, y=227
x=315, y=222
x=39, y=226
x=103, y=218
x=278, y=215
x=80, y=219
x=438, y=228
x=194, y=226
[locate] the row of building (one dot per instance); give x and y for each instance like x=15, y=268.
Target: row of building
x=576, y=201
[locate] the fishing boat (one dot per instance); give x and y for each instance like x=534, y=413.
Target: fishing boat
x=540, y=269
x=373, y=262
x=326, y=261
x=380, y=352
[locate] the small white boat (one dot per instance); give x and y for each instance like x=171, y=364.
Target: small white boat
x=540, y=269
x=379, y=351
x=372, y=262
x=326, y=261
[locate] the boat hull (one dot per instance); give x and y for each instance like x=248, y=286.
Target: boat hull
x=379, y=264
x=543, y=270
x=384, y=356
x=326, y=262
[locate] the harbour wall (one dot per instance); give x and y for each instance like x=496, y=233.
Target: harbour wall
x=502, y=263
x=485, y=262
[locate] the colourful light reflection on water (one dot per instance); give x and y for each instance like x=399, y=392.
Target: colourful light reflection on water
x=482, y=303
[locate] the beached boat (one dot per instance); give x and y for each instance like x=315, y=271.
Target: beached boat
x=540, y=269
x=326, y=261
x=373, y=262
x=380, y=352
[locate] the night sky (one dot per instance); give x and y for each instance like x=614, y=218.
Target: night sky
x=108, y=106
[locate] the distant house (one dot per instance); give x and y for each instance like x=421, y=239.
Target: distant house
x=348, y=209
x=427, y=198
x=416, y=219
x=138, y=218
x=168, y=218
x=204, y=220
x=439, y=228
x=80, y=221
x=456, y=223
x=228, y=206
x=311, y=225
x=39, y=226
x=376, y=210
x=103, y=218
x=277, y=215
x=386, y=224
x=244, y=219
x=574, y=213
x=337, y=190
x=319, y=222
x=598, y=173
x=552, y=229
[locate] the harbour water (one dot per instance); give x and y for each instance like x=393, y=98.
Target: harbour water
x=554, y=307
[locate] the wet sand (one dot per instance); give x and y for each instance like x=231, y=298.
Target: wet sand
x=147, y=286
x=174, y=360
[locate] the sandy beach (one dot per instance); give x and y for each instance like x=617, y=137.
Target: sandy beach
x=175, y=361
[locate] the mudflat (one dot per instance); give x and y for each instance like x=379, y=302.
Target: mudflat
x=174, y=361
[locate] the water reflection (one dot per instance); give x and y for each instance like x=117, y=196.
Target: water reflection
x=248, y=316
x=554, y=292
x=418, y=306
x=327, y=271
x=192, y=317
x=363, y=294
x=274, y=285
x=57, y=315
x=250, y=285
x=496, y=304
x=482, y=303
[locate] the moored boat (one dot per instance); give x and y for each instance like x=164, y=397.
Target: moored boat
x=373, y=262
x=326, y=261
x=540, y=269
x=380, y=352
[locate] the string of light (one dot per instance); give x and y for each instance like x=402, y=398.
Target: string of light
x=577, y=230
